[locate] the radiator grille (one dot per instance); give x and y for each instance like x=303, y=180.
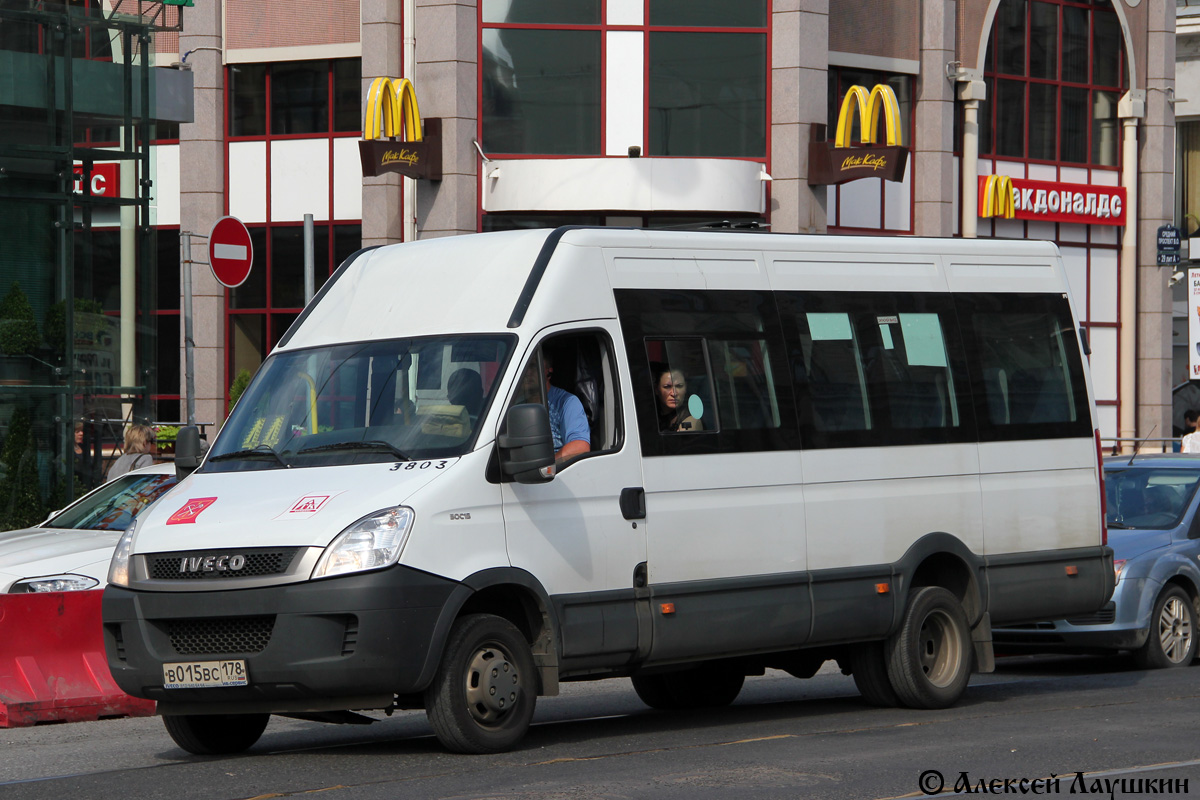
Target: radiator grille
x=171, y=566
x=223, y=636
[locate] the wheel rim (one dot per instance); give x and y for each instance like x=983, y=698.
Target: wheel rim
x=1175, y=630
x=939, y=649
x=493, y=685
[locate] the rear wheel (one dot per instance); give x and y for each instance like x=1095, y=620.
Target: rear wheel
x=1172, y=639
x=703, y=687
x=216, y=734
x=929, y=658
x=868, y=666
x=482, y=698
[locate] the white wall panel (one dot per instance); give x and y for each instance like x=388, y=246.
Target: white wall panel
x=1043, y=172
x=1107, y=417
x=347, y=180
x=1104, y=286
x=299, y=179
x=623, y=92
x=1104, y=362
x=625, y=12
x=898, y=202
x=248, y=181
x=859, y=204
x=1075, y=262
x=164, y=203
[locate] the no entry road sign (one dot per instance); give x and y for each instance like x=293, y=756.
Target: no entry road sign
x=230, y=252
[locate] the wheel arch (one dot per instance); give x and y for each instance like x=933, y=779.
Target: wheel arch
x=512, y=594
x=942, y=559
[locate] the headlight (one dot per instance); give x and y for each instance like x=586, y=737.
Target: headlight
x=118, y=569
x=374, y=541
x=54, y=583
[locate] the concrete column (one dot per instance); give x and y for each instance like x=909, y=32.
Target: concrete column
x=202, y=202
x=932, y=165
x=383, y=57
x=1156, y=195
x=799, y=81
x=448, y=87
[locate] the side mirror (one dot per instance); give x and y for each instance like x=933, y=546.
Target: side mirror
x=188, y=452
x=526, y=444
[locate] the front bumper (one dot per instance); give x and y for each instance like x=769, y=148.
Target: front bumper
x=316, y=645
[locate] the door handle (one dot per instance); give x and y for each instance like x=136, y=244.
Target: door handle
x=633, y=503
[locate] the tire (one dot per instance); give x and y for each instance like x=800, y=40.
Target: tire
x=482, y=697
x=929, y=659
x=868, y=666
x=1172, y=639
x=703, y=687
x=216, y=734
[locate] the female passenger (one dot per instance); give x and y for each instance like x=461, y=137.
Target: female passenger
x=670, y=390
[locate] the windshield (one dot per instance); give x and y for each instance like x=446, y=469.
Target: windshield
x=1148, y=498
x=395, y=400
x=113, y=506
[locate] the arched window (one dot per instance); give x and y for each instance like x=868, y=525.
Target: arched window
x=1055, y=71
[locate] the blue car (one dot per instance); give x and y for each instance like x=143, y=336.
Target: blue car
x=1154, y=531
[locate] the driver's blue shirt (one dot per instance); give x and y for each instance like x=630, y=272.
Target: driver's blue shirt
x=568, y=423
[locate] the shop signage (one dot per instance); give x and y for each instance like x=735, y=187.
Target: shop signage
x=1001, y=196
x=843, y=160
x=104, y=181
x=230, y=251
x=1193, y=312
x=1168, y=245
x=394, y=140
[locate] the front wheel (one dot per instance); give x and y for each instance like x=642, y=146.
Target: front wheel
x=216, y=734
x=929, y=658
x=482, y=698
x=1172, y=639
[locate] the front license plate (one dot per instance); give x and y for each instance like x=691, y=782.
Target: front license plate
x=204, y=674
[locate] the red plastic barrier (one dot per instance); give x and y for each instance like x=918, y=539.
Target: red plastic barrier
x=52, y=663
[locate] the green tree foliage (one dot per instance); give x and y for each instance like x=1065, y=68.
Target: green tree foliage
x=240, y=382
x=18, y=326
x=20, y=492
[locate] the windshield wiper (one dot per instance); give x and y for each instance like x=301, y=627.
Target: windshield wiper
x=257, y=452
x=370, y=444
x=1115, y=525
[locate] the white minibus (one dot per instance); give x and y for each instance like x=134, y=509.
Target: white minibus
x=478, y=466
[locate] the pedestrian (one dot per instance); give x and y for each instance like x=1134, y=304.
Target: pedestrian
x=139, y=445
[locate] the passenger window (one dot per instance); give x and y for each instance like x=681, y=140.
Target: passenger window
x=1026, y=364
x=833, y=365
x=682, y=386
x=573, y=376
x=877, y=369
x=724, y=351
x=1025, y=371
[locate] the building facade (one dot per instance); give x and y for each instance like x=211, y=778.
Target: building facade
x=677, y=112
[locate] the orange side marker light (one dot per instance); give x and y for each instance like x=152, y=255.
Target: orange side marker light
x=1072, y=571
x=668, y=608
x=882, y=588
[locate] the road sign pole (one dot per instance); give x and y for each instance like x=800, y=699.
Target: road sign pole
x=189, y=344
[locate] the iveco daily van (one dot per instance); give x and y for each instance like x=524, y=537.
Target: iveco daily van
x=780, y=450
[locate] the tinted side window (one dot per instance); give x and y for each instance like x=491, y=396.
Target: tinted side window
x=876, y=369
x=723, y=351
x=1026, y=367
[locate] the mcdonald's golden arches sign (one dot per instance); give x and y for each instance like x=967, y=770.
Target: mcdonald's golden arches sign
x=844, y=160
x=394, y=139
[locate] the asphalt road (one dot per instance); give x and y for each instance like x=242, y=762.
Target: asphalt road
x=1035, y=718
